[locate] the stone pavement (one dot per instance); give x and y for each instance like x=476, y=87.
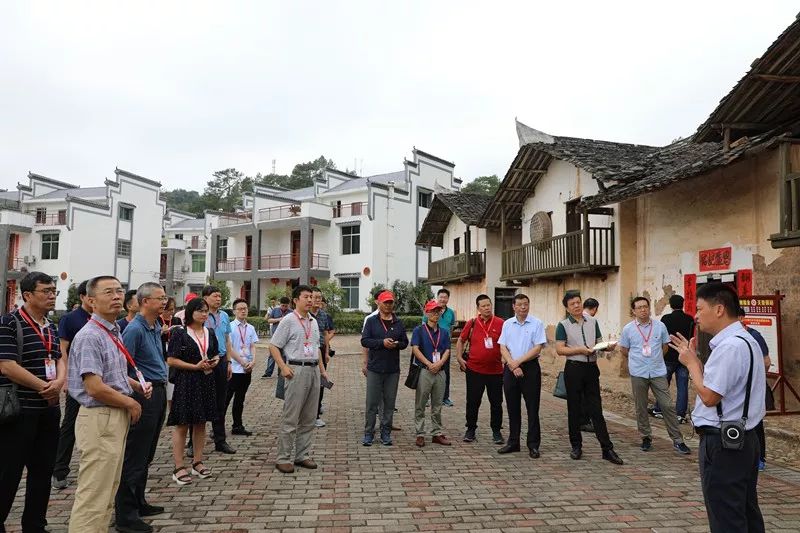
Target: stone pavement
x=463, y=487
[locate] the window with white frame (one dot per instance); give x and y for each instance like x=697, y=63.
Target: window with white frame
x=123, y=248
x=50, y=245
x=351, y=239
x=350, y=289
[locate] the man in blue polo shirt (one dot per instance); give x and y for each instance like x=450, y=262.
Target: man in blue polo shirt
x=220, y=322
x=69, y=326
x=142, y=339
x=430, y=345
x=446, y=321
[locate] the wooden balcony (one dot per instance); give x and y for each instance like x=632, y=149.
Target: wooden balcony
x=588, y=251
x=457, y=268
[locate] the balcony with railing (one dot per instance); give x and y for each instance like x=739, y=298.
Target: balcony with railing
x=232, y=219
x=291, y=261
x=590, y=251
x=196, y=243
x=349, y=210
x=15, y=264
x=52, y=219
x=459, y=267
x=278, y=212
x=234, y=264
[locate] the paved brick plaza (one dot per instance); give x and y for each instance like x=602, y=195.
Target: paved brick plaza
x=463, y=487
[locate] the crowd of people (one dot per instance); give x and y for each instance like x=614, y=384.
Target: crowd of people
x=126, y=377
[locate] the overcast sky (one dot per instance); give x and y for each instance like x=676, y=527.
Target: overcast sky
x=174, y=91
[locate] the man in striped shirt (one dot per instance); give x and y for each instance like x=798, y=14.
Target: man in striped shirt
x=31, y=439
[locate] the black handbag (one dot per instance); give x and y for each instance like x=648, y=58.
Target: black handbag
x=10, y=408
x=560, y=390
x=412, y=379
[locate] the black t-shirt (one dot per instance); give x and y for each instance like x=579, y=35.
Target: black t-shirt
x=33, y=355
x=677, y=322
x=71, y=323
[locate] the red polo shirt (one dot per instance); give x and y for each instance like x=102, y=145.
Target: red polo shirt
x=481, y=359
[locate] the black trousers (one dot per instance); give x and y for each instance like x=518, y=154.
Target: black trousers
x=493, y=385
x=762, y=440
x=321, y=388
x=583, y=392
x=446, y=379
x=221, y=387
x=729, y=479
x=29, y=442
x=66, y=438
x=529, y=387
x=140, y=448
x=237, y=390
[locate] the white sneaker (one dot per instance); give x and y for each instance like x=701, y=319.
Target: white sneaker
x=319, y=423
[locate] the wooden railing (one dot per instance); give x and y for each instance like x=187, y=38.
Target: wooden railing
x=350, y=210
x=289, y=261
x=457, y=267
x=279, y=211
x=586, y=250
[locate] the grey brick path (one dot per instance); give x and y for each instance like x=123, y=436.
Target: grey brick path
x=463, y=487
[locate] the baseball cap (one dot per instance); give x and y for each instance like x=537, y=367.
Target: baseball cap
x=189, y=297
x=385, y=296
x=431, y=305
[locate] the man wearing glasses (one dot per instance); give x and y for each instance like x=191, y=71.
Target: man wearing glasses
x=142, y=338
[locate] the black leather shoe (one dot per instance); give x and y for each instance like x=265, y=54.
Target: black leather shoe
x=576, y=453
x=241, y=431
x=150, y=510
x=611, y=455
x=224, y=447
x=140, y=526
x=534, y=453
x=509, y=448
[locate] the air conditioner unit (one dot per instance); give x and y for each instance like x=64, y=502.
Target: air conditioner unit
x=29, y=259
x=185, y=268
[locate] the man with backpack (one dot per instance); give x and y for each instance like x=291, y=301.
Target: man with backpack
x=483, y=365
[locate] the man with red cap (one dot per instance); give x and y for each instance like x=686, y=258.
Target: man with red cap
x=384, y=335
x=431, y=348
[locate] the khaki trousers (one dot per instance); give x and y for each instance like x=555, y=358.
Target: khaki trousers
x=660, y=389
x=430, y=386
x=299, y=413
x=100, y=434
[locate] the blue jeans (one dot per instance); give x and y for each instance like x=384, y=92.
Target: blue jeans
x=682, y=383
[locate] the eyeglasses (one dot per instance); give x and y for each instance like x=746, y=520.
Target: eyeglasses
x=48, y=291
x=162, y=298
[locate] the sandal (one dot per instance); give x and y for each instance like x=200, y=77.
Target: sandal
x=202, y=472
x=185, y=479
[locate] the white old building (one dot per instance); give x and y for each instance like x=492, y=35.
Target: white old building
x=74, y=233
x=185, y=253
x=359, y=230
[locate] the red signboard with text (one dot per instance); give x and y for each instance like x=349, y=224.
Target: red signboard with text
x=690, y=294
x=716, y=259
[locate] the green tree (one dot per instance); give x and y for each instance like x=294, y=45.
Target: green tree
x=72, y=296
x=371, y=298
x=333, y=293
x=226, y=189
x=303, y=173
x=410, y=298
x=277, y=291
x=485, y=185
x=184, y=200
x=225, y=292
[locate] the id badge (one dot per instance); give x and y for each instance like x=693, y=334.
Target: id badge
x=646, y=350
x=308, y=350
x=436, y=357
x=50, y=369
x=487, y=343
x=142, y=382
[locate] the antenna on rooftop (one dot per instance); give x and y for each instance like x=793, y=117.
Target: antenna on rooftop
x=273, y=166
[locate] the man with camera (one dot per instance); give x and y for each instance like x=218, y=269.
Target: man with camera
x=729, y=405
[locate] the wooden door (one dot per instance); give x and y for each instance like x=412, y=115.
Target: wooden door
x=295, y=250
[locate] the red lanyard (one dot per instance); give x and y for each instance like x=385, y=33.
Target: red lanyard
x=384, y=325
x=480, y=323
x=242, y=334
x=202, y=344
x=119, y=344
x=48, y=345
x=164, y=323
x=438, y=337
x=307, y=332
x=645, y=339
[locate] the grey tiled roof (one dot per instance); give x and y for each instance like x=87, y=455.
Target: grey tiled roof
x=357, y=183
x=468, y=207
x=192, y=223
x=80, y=192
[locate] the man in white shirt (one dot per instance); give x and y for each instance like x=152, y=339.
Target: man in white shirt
x=243, y=341
x=729, y=477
